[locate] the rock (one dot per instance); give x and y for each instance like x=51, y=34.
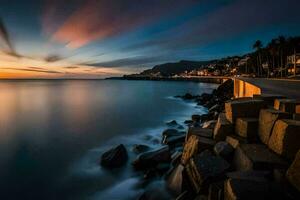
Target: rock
x=207, y=117
x=188, y=122
x=223, y=149
x=140, y=148
x=256, y=157
x=196, y=118
x=175, y=180
x=172, y=123
x=225, y=90
x=247, y=127
x=180, y=127
x=267, y=119
x=209, y=124
x=170, y=132
x=184, y=196
x=222, y=128
x=216, y=191
x=115, y=157
x=243, y=108
x=293, y=173
x=195, y=145
x=286, y=105
x=249, y=189
x=208, y=133
x=203, y=169
x=152, y=158
x=285, y=138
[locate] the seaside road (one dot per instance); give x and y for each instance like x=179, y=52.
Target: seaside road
x=286, y=87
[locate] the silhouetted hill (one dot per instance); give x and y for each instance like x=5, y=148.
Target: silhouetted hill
x=168, y=69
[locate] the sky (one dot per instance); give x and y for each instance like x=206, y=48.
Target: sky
x=103, y=38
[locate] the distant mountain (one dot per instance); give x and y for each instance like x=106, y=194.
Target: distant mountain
x=169, y=69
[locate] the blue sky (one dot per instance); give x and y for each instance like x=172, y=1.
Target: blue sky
x=98, y=38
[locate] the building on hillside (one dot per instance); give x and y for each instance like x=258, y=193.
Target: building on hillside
x=293, y=63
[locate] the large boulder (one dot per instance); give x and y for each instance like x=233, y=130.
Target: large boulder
x=247, y=128
x=243, y=108
x=196, y=118
x=267, y=119
x=115, y=157
x=256, y=157
x=293, y=173
x=285, y=138
x=225, y=90
x=286, y=105
x=170, y=132
x=174, y=140
x=152, y=158
x=195, y=145
x=140, y=148
x=205, y=168
x=172, y=123
x=222, y=128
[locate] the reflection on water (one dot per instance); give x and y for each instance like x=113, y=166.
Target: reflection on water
x=52, y=133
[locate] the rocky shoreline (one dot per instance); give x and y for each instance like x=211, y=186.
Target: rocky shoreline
x=241, y=149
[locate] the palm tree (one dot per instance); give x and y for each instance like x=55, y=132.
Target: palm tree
x=273, y=51
x=257, y=46
x=282, y=45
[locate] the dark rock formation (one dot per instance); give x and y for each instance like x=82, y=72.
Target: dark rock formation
x=115, y=157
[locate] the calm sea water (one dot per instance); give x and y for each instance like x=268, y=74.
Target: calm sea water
x=52, y=134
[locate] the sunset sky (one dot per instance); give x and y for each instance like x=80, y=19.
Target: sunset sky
x=101, y=38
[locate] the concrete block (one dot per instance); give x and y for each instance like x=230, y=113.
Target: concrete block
x=222, y=128
x=296, y=116
x=198, y=131
x=293, y=173
x=298, y=108
x=285, y=138
x=286, y=105
x=247, y=127
x=204, y=168
x=216, y=191
x=196, y=145
x=256, y=157
x=267, y=119
x=209, y=124
x=243, y=109
x=240, y=189
x=175, y=180
x=269, y=98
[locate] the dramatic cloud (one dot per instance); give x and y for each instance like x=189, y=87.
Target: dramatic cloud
x=31, y=69
x=96, y=20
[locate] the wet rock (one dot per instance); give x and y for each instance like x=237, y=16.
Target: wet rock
x=152, y=158
x=176, y=157
x=170, y=132
x=223, y=128
x=195, y=145
x=180, y=127
x=172, y=123
x=243, y=108
x=293, y=173
x=249, y=189
x=267, y=119
x=286, y=105
x=247, y=128
x=207, y=117
x=188, y=122
x=140, y=148
x=196, y=118
x=209, y=124
x=216, y=108
x=256, y=157
x=174, y=140
x=285, y=138
x=203, y=169
x=223, y=149
x=115, y=157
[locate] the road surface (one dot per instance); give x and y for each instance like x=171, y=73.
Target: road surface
x=285, y=87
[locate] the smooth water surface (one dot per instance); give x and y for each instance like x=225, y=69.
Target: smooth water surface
x=52, y=133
